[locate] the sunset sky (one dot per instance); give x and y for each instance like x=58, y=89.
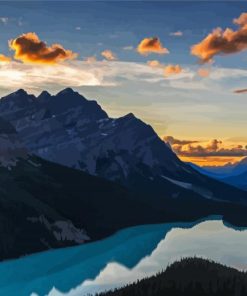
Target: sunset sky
x=173, y=64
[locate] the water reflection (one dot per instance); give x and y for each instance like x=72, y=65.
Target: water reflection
x=210, y=239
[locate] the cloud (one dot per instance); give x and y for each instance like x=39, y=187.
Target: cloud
x=4, y=20
x=241, y=20
x=109, y=55
x=222, y=42
x=172, y=70
x=74, y=73
x=151, y=45
x=154, y=64
x=16, y=75
x=240, y=91
x=124, y=75
x=4, y=59
x=78, y=28
x=90, y=60
x=128, y=47
x=176, y=34
x=213, y=148
x=30, y=49
x=173, y=141
x=203, y=72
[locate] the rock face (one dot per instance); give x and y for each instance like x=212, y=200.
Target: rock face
x=70, y=130
x=11, y=148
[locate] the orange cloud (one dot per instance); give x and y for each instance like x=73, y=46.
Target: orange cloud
x=240, y=91
x=154, y=64
x=214, y=148
x=241, y=20
x=203, y=72
x=172, y=70
x=109, y=55
x=30, y=49
x=4, y=59
x=151, y=45
x=222, y=42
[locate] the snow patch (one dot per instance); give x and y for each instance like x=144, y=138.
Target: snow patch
x=202, y=191
x=62, y=230
x=179, y=183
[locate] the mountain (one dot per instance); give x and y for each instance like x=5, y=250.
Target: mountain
x=70, y=130
x=214, y=172
x=72, y=175
x=190, y=276
x=234, y=174
x=240, y=167
x=220, y=170
x=238, y=175
x=11, y=148
x=239, y=181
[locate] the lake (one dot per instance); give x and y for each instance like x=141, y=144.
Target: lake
x=124, y=257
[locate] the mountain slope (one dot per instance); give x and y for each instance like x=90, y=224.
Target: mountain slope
x=239, y=181
x=11, y=148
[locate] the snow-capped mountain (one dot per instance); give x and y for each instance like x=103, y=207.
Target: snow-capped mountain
x=70, y=130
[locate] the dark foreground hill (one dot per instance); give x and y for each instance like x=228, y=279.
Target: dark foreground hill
x=189, y=277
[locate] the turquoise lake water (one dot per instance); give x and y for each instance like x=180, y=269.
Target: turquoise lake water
x=128, y=255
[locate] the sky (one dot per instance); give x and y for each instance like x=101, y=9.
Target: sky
x=167, y=62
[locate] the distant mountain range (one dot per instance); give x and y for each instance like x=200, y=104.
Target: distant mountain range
x=229, y=169
x=233, y=174
x=69, y=174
